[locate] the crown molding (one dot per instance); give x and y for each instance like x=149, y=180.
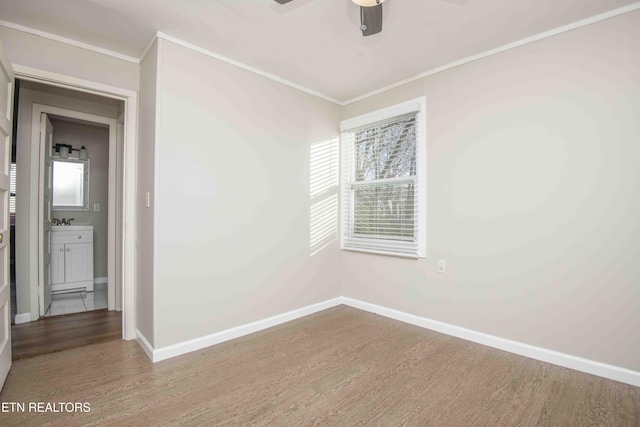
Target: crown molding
x=188, y=45
x=522, y=42
x=71, y=42
x=246, y=67
x=146, y=49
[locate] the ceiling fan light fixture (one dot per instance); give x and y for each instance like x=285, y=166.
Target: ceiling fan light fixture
x=368, y=3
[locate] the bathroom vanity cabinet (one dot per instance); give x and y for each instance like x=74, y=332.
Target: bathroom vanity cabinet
x=71, y=258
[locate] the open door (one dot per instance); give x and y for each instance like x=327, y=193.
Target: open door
x=6, y=104
x=46, y=144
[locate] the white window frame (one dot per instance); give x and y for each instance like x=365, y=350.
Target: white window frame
x=349, y=242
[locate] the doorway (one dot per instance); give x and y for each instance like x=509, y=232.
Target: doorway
x=77, y=235
x=51, y=100
x=75, y=110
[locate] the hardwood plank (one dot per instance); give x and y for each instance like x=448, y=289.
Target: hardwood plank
x=57, y=333
x=338, y=367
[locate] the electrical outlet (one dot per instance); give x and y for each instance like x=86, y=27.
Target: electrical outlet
x=147, y=199
x=96, y=207
x=442, y=266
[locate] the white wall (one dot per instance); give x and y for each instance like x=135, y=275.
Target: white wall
x=37, y=52
x=96, y=140
x=145, y=182
x=533, y=197
x=232, y=198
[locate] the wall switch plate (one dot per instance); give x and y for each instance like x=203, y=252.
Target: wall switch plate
x=442, y=266
x=147, y=199
x=96, y=207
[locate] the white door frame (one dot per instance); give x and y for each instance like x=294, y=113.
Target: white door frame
x=37, y=289
x=130, y=99
x=6, y=108
x=44, y=133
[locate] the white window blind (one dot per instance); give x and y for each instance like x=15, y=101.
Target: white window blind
x=12, y=188
x=383, y=182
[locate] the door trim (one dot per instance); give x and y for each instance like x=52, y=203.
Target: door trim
x=37, y=289
x=130, y=99
x=45, y=144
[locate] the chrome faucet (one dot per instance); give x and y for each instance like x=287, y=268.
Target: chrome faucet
x=69, y=221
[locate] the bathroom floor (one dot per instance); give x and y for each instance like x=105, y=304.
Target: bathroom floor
x=78, y=302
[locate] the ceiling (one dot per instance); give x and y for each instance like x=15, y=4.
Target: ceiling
x=312, y=43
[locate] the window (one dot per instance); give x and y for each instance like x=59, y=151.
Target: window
x=12, y=189
x=384, y=181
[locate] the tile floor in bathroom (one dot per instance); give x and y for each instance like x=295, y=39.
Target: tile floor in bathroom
x=77, y=302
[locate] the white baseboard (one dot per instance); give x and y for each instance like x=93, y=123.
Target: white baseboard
x=22, y=318
x=144, y=343
x=612, y=372
x=98, y=280
x=168, y=352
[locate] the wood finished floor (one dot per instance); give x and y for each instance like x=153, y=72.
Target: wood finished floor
x=338, y=367
x=57, y=333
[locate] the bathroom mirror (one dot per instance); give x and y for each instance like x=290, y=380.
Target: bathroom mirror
x=70, y=183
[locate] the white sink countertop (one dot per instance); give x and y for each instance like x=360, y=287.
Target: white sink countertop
x=71, y=227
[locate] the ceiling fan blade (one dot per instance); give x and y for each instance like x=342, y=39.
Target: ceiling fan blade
x=282, y=1
x=371, y=20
